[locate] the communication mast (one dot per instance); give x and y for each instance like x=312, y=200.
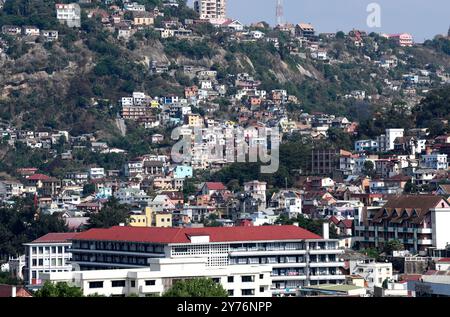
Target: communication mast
x=280, y=12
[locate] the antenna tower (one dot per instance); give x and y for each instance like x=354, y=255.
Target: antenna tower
x=280, y=12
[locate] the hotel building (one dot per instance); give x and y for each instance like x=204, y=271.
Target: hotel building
x=297, y=257
x=419, y=222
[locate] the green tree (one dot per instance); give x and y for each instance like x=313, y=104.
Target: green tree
x=393, y=245
x=197, y=287
x=60, y=289
x=112, y=214
x=88, y=189
x=369, y=169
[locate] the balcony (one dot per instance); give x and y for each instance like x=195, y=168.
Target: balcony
x=283, y=265
x=325, y=251
x=425, y=242
x=425, y=231
x=266, y=253
x=326, y=277
x=326, y=264
x=288, y=277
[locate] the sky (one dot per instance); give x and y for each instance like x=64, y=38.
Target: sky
x=422, y=18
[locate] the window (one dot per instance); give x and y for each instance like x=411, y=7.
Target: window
x=230, y=292
x=247, y=278
x=34, y=262
x=230, y=279
x=261, y=289
x=120, y=283
x=133, y=284
x=261, y=276
x=248, y=292
x=41, y=262
x=150, y=283
x=95, y=284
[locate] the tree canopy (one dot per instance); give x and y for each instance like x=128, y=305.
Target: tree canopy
x=112, y=214
x=60, y=289
x=197, y=287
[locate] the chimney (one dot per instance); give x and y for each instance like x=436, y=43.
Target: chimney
x=121, y=224
x=326, y=230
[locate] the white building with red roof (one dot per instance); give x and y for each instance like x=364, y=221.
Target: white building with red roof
x=49, y=253
x=297, y=257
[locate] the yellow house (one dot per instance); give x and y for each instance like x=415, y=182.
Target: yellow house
x=162, y=220
x=151, y=219
x=144, y=220
x=154, y=104
x=143, y=19
x=195, y=120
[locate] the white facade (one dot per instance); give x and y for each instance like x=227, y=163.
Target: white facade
x=69, y=14
x=364, y=145
x=373, y=273
x=295, y=262
x=258, y=191
x=390, y=137
x=434, y=161
x=211, y=9
x=97, y=172
x=239, y=281
x=45, y=258
x=440, y=218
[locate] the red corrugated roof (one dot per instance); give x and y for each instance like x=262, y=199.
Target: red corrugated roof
x=215, y=186
x=181, y=235
x=444, y=260
x=37, y=177
x=347, y=223
x=56, y=237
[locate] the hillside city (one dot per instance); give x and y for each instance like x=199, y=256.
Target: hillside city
x=127, y=132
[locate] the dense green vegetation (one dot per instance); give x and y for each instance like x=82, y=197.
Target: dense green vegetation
x=197, y=287
x=21, y=223
x=60, y=289
x=113, y=214
x=312, y=225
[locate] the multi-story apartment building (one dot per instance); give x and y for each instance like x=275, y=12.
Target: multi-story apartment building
x=49, y=253
x=434, y=161
x=324, y=161
x=257, y=190
x=386, y=142
x=403, y=39
x=69, y=14
x=297, y=256
x=305, y=30
x=419, y=222
x=239, y=281
x=211, y=9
